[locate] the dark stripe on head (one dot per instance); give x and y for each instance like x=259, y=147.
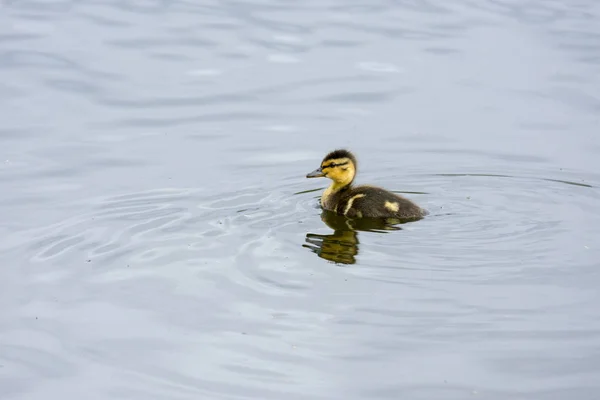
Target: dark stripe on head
x=335, y=165
x=340, y=153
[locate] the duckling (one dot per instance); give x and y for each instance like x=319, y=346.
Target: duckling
x=351, y=201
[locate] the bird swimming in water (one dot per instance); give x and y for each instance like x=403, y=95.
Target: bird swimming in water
x=361, y=201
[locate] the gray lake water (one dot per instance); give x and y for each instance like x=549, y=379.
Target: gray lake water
x=160, y=239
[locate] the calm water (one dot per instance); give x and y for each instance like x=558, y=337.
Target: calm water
x=160, y=241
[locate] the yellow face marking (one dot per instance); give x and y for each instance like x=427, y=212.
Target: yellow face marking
x=342, y=175
x=392, y=206
x=349, y=204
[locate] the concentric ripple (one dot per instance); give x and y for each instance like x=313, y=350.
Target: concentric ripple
x=234, y=268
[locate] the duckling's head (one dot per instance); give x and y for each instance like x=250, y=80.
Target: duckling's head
x=339, y=166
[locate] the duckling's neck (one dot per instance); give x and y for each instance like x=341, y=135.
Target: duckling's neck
x=333, y=189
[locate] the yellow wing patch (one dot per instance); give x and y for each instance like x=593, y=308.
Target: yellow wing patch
x=392, y=206
x=349, y=204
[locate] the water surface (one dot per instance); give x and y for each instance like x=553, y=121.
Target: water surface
x=160, y=240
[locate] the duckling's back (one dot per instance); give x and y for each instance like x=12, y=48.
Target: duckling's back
x=374, y=202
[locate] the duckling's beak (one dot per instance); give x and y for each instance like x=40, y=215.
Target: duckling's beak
x=317, y=173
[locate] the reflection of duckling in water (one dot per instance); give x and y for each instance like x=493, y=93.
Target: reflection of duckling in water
x=342, y=246
x=359, y=201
